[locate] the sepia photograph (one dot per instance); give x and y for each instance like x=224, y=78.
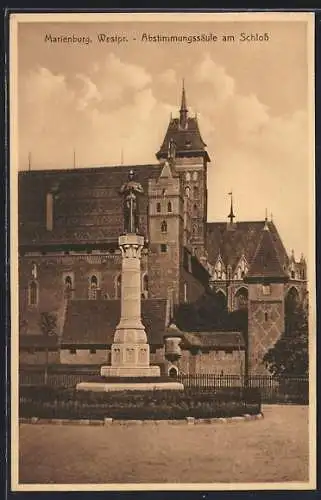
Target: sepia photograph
x=162, y=259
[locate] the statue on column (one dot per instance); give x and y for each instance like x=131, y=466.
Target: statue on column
x=129, y=191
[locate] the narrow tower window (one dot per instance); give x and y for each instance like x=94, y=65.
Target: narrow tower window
x=169, y=206
x=93, y=288
x=33, y=293
x=164, y=226
x=68, y=288
x=158, y=208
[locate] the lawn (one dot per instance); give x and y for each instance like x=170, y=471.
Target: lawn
x=268, y=450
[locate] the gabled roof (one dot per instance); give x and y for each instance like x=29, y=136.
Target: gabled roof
x=87, y=204
x=244, y=238
x=94, y=321
x=266, y=262
x=188, y=141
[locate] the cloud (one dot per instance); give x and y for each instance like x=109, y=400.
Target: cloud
x=116, y=106
x=168, y=77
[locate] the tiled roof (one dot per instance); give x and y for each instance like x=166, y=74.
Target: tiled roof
x=231, y=244
x=266, y=262
x=187, y=140
x=87, y=205
x=95, y=321
x=38, y=341
x=214, y=339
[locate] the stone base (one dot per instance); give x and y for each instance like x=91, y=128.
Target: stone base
x=130, y=371
x=128, y=386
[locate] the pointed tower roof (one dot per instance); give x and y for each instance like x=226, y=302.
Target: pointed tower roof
x=184, y=132
x=183, y=101
x=231, y=215
x=265, y=264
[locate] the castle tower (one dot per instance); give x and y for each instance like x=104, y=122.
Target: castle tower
x=191, y=159
x=266, y=286
x=165, y=232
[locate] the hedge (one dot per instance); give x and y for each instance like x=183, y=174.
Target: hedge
x=49, y=402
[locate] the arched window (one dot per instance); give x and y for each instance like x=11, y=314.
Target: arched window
x=241, y=299
x=93, y=287
x=158, y=208
x=164, y=226
x=194, y=176
x=164, y=192
x=68, y=291
x=118, y=287
x=292, y=275
x=194, y=229
x=187, y=191
x=221, y=299
x=169, y=206
x=195, y=209
x=266, y=316
x=195, y=191
x=33, y=293
x=187, y=176
x=145, y=287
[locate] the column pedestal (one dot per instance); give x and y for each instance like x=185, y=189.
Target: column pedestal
x=130, y=350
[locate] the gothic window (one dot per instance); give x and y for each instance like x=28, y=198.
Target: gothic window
x=194, y=229
x=118, y=287
x=164, y=192
x=241, y=299
x=93, y=287
x=33, y=293
x=195, y=209
x=68, y=290
x=163, y=248
x=164, y=226
x=266, y=316
x=187, y=191
x=292, y=274
x=194, y=176
x=169, y=206
x=188, y=176
x=49, y=211
x=158, y=208
x=195, y=191
x=145, y=287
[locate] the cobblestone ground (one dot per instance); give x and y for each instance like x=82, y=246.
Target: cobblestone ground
x=268, y=450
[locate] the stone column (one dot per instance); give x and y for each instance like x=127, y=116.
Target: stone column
x=130, y=350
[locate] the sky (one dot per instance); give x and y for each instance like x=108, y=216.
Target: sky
x=113, y=101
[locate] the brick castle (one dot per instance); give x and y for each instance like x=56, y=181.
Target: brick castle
x=69, y=264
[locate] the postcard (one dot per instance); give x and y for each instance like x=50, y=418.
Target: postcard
x=162, y=251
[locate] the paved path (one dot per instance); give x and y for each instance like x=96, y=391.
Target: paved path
x=268, y=450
